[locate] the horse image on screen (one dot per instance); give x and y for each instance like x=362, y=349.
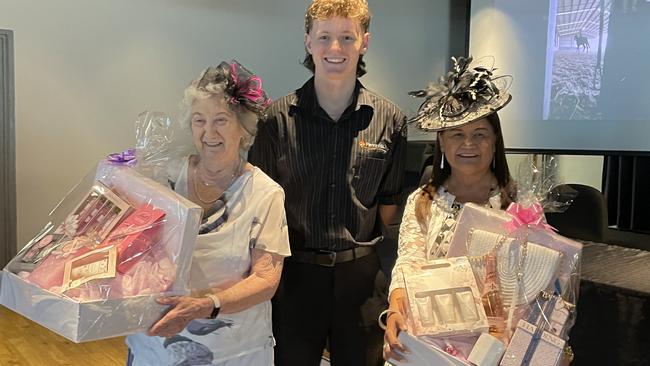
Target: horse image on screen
x=592, y=54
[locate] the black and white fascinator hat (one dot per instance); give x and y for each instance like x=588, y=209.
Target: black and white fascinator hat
x=468, y=92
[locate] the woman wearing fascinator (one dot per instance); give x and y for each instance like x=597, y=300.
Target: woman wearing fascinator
x=469, y=165
x=243, y=237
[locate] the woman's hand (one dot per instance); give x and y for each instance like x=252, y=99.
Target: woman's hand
x=395, y=323
x=183, y=310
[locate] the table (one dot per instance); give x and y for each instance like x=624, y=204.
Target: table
x=613, y=322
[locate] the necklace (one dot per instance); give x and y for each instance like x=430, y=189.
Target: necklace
x=203, y=181
x=493, y=187
x=235, y=174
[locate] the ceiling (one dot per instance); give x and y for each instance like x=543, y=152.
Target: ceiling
x=575, y=17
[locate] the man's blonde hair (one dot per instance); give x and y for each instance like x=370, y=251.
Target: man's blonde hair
x=327, y=9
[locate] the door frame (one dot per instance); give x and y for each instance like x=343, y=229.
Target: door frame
x=7, y=149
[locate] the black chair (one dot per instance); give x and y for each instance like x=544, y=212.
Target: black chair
x=586, y=217
x=427, y=172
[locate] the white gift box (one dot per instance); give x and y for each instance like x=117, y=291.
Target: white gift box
x=475, y=217
x=424, y=354
x=108, y=317
x=444, y=300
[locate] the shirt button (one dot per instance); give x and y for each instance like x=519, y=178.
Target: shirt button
x=333, y=216
x=332, y=185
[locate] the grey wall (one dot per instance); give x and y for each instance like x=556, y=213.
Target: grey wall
x=86, y=68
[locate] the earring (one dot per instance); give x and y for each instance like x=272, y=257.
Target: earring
x=442, y=162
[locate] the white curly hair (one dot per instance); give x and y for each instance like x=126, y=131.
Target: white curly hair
x=246, y=119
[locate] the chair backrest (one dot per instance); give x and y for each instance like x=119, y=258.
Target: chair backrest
x=586, y=217
x=426, y=175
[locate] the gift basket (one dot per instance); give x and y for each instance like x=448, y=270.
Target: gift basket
x=115, y=242
x=526, y=281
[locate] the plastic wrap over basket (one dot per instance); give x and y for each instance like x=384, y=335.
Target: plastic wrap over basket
x=115, y=242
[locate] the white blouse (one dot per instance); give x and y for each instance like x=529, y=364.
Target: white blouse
x=253, y=217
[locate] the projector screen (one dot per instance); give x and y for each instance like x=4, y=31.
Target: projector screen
x=581, y=71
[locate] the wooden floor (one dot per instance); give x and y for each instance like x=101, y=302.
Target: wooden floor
x=25, y=343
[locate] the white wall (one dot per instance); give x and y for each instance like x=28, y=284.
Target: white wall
x=86, y=68
x=587, y=170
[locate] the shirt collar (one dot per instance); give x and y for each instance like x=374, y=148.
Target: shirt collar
x=306, y=97
x=448, y=199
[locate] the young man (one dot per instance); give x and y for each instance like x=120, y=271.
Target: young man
x=338, y=151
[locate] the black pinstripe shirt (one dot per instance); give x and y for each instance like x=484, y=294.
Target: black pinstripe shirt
x=334, y=173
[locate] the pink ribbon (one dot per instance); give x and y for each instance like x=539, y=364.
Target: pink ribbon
x=250, y=88
x=234, y=74
x=531, y=216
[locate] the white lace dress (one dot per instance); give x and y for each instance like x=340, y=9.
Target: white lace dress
x=418, y=243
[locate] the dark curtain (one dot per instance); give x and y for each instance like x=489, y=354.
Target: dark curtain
x=611, y=328
x=614, y=307
x=626, y=183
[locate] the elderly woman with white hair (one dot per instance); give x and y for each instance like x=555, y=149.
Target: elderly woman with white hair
x=242, y=240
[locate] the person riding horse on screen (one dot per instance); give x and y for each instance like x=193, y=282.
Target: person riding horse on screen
x=582, y=41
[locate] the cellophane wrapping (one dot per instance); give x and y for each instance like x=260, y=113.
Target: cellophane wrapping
x=113, y=244
x=527, y=276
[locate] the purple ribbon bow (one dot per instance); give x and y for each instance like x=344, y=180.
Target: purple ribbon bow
x=126, y=157
x=531, y=216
